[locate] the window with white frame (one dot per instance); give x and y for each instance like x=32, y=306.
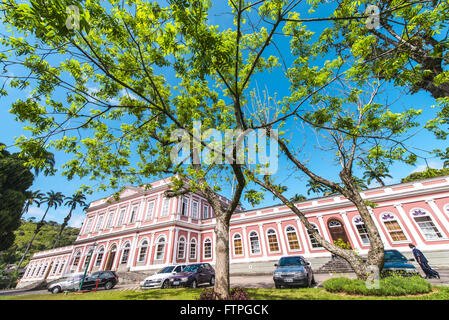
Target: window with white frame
x=88, y=225
x=143, y=251
x=121, y=216
x=87, y=258
x=43, y=269
x=273, y=244
x=426, y=224
x=150, y=210
x=37, y=270
x=361, y=229
x=99, y=257
x=132, y=219
x=99, y=223
x=238, y=246
x=195, y=210
x=393, y=227
x=181, y=248
x=109, y=223
x=165, y=204
x=55, y=267
x=315, y=244
x=76, y=260
x=254, y=241
x=205, y=212
x=125, y=253
x=160, y=248
x=192, y=249
x=207, y=248
x=185, y=207
x=292, y=238
x=61, y=267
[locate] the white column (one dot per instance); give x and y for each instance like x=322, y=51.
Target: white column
x=350, y=231
x=262, y=241
x=408, y=223
x=439, y=215
x=150, y=248
x=175, y=246
x=282, y=238
x=302, y=237
x=379, y=229
x=187, y=248
x=133, y=252
x=323, y=227
x=245, y=243
x=140, y=215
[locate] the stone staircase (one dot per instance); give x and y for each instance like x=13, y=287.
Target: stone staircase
x=335, y=265
x=134, y=277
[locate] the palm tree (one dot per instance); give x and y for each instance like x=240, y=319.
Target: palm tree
x=378, y=173
x=48, y=165
x=52, y=199
x=73, y=201
x=34, y=197
x=315, y=187
x=298, y=197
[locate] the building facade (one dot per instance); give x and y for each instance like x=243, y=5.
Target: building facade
x=144, y=230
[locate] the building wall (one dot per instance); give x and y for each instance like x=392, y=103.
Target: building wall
x=419, y=213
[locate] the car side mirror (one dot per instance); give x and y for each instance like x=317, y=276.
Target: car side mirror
x=411, y=259
x=308, y=264
x=275, y=264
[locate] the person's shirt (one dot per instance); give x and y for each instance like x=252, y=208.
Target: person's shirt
x=417, y=253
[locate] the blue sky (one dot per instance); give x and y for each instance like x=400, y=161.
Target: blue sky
x=276, y=83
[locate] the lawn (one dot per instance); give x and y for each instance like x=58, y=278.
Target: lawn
x=438, y=293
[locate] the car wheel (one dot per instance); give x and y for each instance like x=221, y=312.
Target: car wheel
x=56, y=289
x=212, y=280
x=313, y=280
x=109, y=285
x=277, y=286
x=194, y=284
x=165, y=284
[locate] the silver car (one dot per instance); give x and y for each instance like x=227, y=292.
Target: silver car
x=161, y=278
x=293, y=271
x=68, y=283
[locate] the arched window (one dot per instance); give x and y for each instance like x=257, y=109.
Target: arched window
x=238, y=247
x=292, y=237
x=193, y=249
x=99, y=258
x=361, y=229
x=143, y=251
x=393, y=227
x=61, y=268
x=160, y=248
x=125, y=253
x=315, y=244
x=37, y=270
x=255, y=244
x=273, y=244
x=76, y=260
x=426, y=224
x=89, y=254
x=29, y=269
x=55, y=268
x=181, y=248
x=43, y=269
x=207, y=248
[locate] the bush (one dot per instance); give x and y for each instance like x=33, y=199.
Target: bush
x=236, y=294
x=390, y=286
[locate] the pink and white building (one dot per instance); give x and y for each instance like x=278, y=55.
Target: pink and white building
x=144, y=230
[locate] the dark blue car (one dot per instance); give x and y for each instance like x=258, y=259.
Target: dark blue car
x=397, y=264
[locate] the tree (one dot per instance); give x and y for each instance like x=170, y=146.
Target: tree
x=52, y=199
x=298, y=197
x=15, y=179
x=33, y=198
x=75, y=200
x=378, y=173
x=426, y=174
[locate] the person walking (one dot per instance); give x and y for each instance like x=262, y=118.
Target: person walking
x=423, y=263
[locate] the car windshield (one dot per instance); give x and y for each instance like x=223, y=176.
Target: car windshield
x=290, y=261
x=393, y=255
x=191, y=268
x=167, y=269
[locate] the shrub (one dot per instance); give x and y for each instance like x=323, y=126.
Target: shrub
x=389, y=286
x=236, y=294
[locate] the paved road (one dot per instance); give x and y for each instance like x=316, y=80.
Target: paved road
x=263, y=281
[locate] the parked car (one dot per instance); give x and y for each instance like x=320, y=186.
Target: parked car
x=396, y=263
x=194, y=275
x=161, y=279
x=70, y=282
x=105, y=279
x=293, y=271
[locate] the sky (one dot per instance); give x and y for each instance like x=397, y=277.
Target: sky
x=10, y=129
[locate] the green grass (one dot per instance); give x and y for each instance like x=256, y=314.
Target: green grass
x=438, y=293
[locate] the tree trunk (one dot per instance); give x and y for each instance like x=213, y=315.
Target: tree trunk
x=64, y=224
x=222, y=285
